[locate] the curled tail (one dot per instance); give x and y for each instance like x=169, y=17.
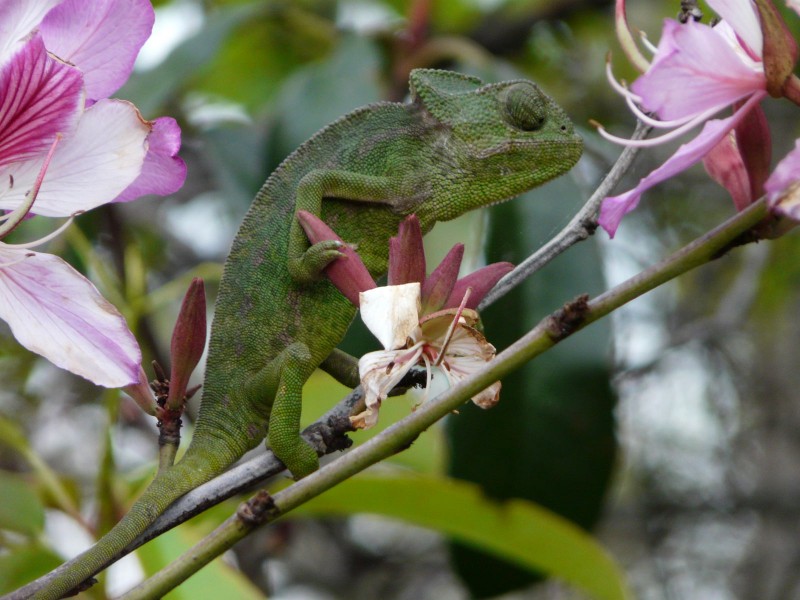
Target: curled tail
x=193, y=470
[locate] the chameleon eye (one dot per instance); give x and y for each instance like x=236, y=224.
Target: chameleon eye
x=524, y=107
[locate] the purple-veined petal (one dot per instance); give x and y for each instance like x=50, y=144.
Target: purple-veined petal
x=406, y=253
x=41, y=97
x=91, y=167
x=695, y=70
x=781, y=185
x=56, y=312
x=18, y=18
x=742, y=17
x=101, y=37
x=163, y=171
x=616, y=207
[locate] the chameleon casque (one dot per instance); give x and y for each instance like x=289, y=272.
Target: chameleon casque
x=457, y=145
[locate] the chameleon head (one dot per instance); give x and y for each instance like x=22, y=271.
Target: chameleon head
x=497, y=140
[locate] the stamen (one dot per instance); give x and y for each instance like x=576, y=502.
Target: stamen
x=651, y=142
x=451, y=330
x=16, y=216
x=621, y=89
x=647, y=43
x=46, y=238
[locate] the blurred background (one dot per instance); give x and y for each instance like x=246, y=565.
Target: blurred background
x=670, y=430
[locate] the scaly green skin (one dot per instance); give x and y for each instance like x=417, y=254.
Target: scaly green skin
x=457, y=146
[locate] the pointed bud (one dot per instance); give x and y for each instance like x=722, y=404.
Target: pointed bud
x=188, y=342
x=406, y=254
x=142, y=394
x=755, y=145
x=780, y=49
x=437, y=287
x=481, y=282
x=348, y=273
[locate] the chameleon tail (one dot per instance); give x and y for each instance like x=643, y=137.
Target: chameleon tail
x=194, y=469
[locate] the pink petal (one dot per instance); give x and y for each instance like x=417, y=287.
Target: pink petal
x=56, y=312
x=784, y=178
x=89, y=168
x=614, y=208
x=695, y=70
x=742, y=17
x=18, y=18
x=163, y=171
x=41, y=98
x=101, y=37
x=725, y=165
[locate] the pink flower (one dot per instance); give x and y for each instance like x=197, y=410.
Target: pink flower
x=698, y=71
x=783, y=186
x=66, y=148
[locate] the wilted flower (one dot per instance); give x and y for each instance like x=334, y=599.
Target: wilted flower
x=420, y=321
x=66, y=148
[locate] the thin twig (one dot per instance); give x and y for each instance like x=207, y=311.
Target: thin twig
x=581, y=227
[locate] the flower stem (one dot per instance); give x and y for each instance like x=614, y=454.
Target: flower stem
x=571, y=318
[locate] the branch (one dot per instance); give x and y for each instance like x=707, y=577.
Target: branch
x=580, y=228
x=262, y=508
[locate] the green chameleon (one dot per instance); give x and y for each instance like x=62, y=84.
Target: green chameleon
x=458, y=145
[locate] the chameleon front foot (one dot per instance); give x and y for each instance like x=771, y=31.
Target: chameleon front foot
x=308, y=266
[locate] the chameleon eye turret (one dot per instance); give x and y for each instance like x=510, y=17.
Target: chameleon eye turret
x=525, y=107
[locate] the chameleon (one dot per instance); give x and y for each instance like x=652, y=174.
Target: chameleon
x=457, y=145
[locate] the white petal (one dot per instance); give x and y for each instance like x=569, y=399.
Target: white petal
x=17, y=19
x=56, y=312
x=380, y=371
x=391, y=313
x=91, y=167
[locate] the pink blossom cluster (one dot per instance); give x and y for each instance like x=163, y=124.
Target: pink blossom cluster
x=65, y=148
x=699, y=71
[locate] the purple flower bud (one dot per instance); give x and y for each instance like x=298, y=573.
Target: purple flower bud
x=348, y=273
x=188, y=341
x=406, y=254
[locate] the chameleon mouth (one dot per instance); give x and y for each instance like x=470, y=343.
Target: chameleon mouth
x=558, y=143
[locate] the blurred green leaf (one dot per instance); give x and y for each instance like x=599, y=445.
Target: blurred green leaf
x=150, y=90
x=24, y=564
x=520, y=531
x=21, y=510
x=553, y=430
x=216, y=580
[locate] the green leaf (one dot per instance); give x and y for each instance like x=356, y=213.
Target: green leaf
x=216, y=580
x=519, y=531
x=553, y=429
x=21, y=510
x=25, y=563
